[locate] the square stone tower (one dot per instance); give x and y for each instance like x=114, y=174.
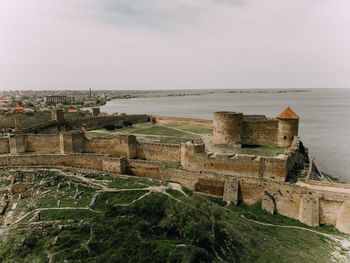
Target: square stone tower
x=57, y=115
x=72, y=142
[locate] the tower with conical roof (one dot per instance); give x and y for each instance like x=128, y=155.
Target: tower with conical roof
x=288, y=125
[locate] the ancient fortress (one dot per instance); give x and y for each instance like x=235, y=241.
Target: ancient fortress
x=233, y=177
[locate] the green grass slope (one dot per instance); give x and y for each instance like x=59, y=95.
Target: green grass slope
x=139, y=220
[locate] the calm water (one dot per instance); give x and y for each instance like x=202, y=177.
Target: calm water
x=324, y=117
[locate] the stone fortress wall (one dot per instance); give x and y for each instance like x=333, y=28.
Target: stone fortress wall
x=76, y=142
x=95, y=121
x=230, y=128
x=312, y=206
x=234, y=177
x=194, y=158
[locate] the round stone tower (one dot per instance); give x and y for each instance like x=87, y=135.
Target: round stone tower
x=227, y=127
x=288, y=125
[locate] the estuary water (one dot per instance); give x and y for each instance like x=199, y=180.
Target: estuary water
x=324, y=125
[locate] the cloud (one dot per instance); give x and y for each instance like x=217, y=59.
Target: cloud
x=156, y=14
x=149, y=44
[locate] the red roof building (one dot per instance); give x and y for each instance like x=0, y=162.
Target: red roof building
x=18, y=108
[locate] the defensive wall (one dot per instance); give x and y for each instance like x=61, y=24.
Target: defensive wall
x=59, y=123
x=230, y=128
x=76, y=142
x=234, y=128
x=192, y=155
x=312, y=203
x=234, y=177
x=195, y=158
x=100, y=121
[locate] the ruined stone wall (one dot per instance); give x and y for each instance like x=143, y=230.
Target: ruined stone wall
x=75, y=142
x=287, y=198
x=72, y=142
x=89, y=161
x=232, y=128
x=237, y=164
x=142, y=168
x=262, y=131
x=329, y=211
x=98, y=122
x=292, y=153
x=114, y=165
x=18, y=143
x=274, y=168
x=194, y=158
x=310, y=204
x=120, y=145
x=159, y=152
x=82, y=123
x=250, y=190
x=43, y=143
x=101, y=145
x=182, y=121
x=4, y=145
x=206, y=182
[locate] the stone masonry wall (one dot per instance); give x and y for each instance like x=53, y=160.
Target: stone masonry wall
x=121, y=145
x=4, y=145
x=90, y=161
x=159, y=152
x=68, y=142
x=98, y=122
x=143, y=168
x=43, y=143
x=311, y=206
x=260, y=132
x=114, y=165
x=194, y=158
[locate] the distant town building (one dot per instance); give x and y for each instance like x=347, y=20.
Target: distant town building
x=52, y=100
x=18, y=109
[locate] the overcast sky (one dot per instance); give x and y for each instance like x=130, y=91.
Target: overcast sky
x=174, y=44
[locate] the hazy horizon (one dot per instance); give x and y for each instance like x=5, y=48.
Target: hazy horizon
x=174, y=45
x=179, y=89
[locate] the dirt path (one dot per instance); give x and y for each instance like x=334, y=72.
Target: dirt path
x=136, y=134
x=84, y=179
x=324, y=188
x=342, y=241
x=176, y=129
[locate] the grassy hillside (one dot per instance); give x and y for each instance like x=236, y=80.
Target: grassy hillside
x=141, y=220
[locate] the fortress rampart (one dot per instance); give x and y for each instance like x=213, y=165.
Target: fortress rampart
x=76, y=142
x=58, y=123
x=312, y=204
x=191, y=154
x=234, y=177
x=194, y=158
x=234, y=128
x=231, y=128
